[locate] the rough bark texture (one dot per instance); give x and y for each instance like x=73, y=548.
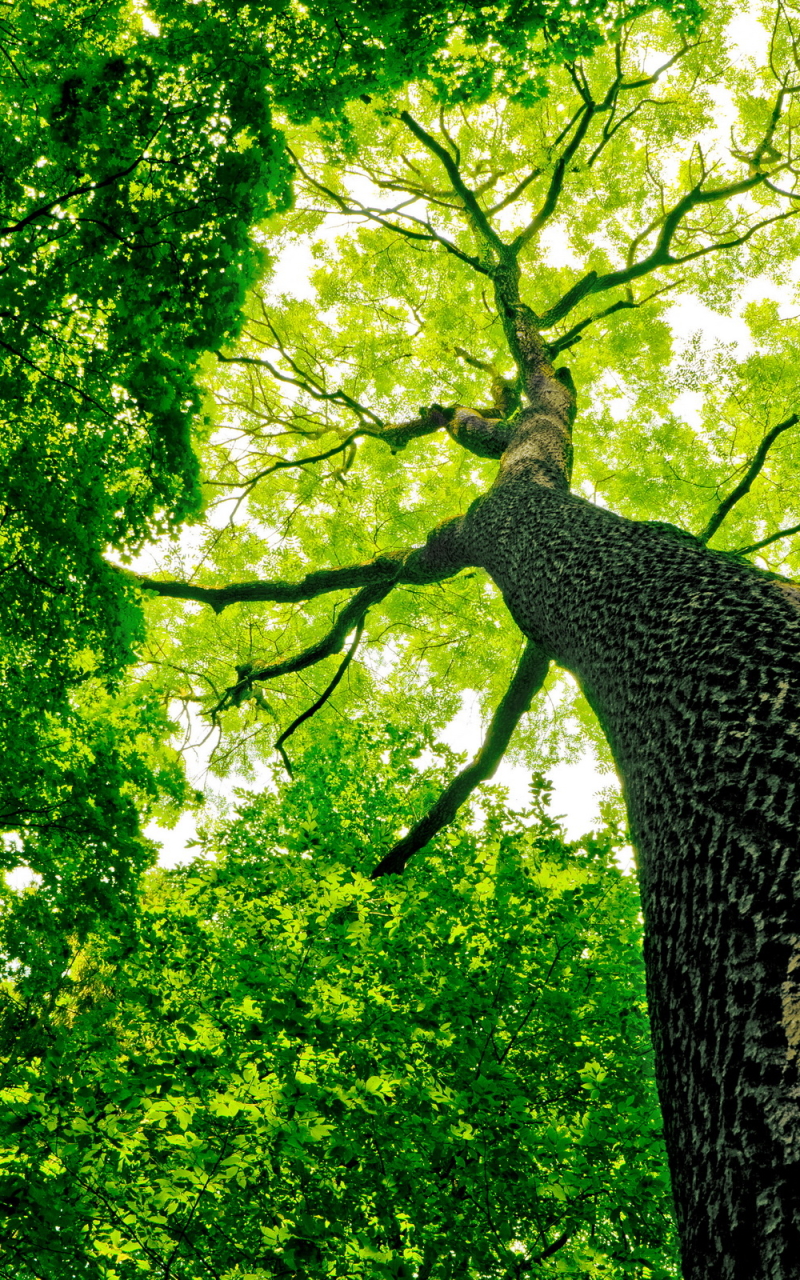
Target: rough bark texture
x=692, y=663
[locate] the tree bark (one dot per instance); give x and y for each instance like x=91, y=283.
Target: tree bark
x=691, y=663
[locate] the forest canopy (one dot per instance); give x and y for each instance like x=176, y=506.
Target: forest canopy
x=268, y=281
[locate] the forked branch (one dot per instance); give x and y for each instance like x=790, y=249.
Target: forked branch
x=352, y=615
x=527, y=680
x=306, y=383
x=749, y=476
x=321, y=700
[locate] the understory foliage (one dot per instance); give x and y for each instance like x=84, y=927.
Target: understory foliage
x=296, y=1070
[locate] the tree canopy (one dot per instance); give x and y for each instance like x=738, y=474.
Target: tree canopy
x=215, y=1068
x=299, y=1070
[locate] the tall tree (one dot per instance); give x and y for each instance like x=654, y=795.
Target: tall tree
x=686, y=653
x=138, y=162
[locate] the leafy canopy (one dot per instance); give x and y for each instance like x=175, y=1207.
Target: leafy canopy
x=138, y=164
x=629, y=211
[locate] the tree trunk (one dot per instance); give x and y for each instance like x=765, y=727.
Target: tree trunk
x=691, y=663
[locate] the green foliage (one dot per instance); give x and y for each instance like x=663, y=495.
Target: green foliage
x=100, y=765
x=297, y=1070
x=667, y=421
x=139, y=166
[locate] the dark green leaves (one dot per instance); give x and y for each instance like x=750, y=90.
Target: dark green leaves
x=296, y=1070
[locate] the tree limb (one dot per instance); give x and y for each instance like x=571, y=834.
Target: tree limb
x=749, y=476
x=84, y=189
x=351, y=616
x=471, y=206
x=773, y=537
x=353, y=208
x=321, y=700
x=384, y=569
x=625, y=304
x=527, y=680
x=556, y=182
x=283, y=463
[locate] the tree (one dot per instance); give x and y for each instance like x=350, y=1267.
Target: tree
x=686, y=653
x=139, y=162
x=298, y=1070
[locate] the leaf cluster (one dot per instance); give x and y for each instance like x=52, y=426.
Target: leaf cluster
x=296, y=1069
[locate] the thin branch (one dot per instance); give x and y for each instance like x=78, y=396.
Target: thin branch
x=514, y=193
x=351, y=615
x=661, y=255
x=60, y=382
x=773, y=537
x=749, y=476
x=321, y=700
x=549, y=1251
x=659, y=71
x=282, y=463
x=527, y=680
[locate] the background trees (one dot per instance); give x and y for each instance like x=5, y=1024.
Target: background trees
x=299, y=1070
x=622, y=169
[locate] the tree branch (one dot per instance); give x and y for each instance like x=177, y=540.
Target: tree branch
x=305, y=383
x=355, y=209
x=527, y=680
x=284, y=463
x=76, y=191
x=321, y=700
x=351, y=616
x=434, y=561
x=573, y=335
x=471, y=206
x=384, y=569
x=556, y=182
x=661, y=255
x=548, y=1252
x=749, y=476
x=773, y=537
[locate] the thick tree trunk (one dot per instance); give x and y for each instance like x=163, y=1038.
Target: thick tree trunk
x=692, y=663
